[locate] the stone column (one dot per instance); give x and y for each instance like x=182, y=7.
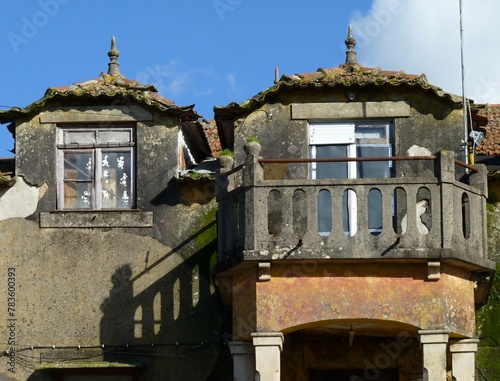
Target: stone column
x=434, y=343
x=243, y=353
x=268, y=347
x=462, y=356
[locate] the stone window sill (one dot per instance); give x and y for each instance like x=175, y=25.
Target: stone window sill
x=96, y=219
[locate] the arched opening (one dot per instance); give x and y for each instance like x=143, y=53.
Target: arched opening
x=357, y=349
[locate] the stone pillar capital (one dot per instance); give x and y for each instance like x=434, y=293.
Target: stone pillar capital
x=462, y=359
x=241, y=347
x=243, y=353
x=268, y=339
x=465, y=345
x=434, y=336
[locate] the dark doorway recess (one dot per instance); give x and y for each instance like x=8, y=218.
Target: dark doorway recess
x=354, y=375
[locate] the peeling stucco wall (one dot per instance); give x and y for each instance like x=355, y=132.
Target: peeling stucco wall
x=20, y=200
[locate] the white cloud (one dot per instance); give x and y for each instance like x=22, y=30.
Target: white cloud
x=174, y=79
x=424, y=37
x=231, y=81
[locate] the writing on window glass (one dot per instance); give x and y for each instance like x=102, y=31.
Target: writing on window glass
x=97, y=168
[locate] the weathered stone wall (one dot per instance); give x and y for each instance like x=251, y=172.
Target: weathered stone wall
x=141, y=295
x=83, y=287
x=432, y=125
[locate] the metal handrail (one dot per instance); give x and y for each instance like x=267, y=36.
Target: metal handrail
x=345, y=159
x=465, y=165
x=361, y=159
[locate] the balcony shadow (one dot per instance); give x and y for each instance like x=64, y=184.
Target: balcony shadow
x=168, y=325
x=186, y=191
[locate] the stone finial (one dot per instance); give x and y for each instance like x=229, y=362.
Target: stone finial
x=114, y=66
x=350, y=55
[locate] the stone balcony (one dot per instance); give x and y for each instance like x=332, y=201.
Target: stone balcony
x=274, y=220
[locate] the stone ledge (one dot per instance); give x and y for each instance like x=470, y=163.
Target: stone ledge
x=350, y=110
x=131, y=113
x=96, y=219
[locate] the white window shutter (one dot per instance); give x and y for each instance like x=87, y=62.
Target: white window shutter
x=331, y=133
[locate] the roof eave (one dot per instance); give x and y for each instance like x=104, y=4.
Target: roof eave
x=292, y=82
x=16, y=113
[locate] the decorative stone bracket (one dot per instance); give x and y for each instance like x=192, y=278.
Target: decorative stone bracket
x=264, y=271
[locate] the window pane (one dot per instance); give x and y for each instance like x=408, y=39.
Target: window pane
x=375, y=211
x=374, y=169
x=325, y=212
x=116, y=180
x=367, y=132
x=111, y=136
x=78, y=166
x=331, y=170
x=77, y=195
x=79, y=137
x=350, y=212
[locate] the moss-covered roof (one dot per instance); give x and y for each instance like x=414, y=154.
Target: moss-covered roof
x=344, y=75
x=106, y=89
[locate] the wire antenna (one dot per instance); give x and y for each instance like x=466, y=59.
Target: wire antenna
x=464, y=101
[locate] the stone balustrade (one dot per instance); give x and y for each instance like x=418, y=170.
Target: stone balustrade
x=432, y=217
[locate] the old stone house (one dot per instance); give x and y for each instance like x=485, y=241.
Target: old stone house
x=356, y=265
x=349, y=242
x=106, y=251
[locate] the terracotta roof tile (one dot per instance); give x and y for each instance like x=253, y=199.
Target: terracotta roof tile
x=212, y=135
x=491, y=142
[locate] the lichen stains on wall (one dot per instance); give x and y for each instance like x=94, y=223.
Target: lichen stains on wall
x=398, y=293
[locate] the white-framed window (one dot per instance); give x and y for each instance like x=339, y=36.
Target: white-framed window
x=96, y=167
x=350, y=140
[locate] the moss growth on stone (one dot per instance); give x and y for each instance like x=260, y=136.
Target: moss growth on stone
x=226, y=152
x=488, y=326
x=207, y=229
x=488, y=365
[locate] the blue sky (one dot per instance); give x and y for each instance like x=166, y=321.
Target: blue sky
x=212, y=52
